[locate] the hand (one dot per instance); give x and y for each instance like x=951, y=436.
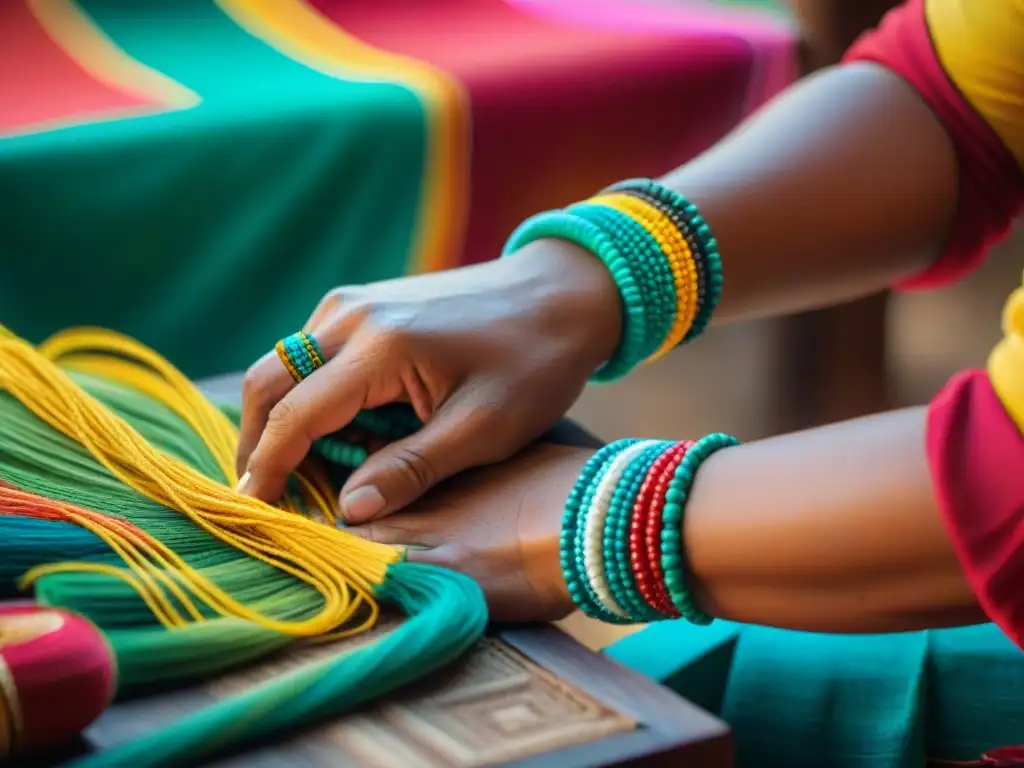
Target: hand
x=489, y=356
x=500, y=525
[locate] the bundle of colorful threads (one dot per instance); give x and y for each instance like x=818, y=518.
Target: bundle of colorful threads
x=117, y=508
x=661, y=254
x=622, y=532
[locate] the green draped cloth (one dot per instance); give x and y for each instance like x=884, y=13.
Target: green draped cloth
x=198, y=173
x=803, y=700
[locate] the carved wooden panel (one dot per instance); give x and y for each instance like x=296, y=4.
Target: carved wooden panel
x=493, y=706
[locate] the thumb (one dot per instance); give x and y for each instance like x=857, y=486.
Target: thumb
x=455, y=439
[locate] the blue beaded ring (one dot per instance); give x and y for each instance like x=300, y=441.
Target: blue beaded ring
x=300, y=355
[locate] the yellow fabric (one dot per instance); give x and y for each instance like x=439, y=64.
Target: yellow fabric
x=1006, y=363
x=980, y=44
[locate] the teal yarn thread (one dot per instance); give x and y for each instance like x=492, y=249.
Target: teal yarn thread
x=445, y=622
x=564, y=226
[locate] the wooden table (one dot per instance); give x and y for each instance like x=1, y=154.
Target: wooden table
x=530, y=697
x=526, y=696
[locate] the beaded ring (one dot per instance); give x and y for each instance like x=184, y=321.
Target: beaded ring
x=300, y=355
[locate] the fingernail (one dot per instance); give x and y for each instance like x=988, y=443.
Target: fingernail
x=362, y=504
x=242, y=483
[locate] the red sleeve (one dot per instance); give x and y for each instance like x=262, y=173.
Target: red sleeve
x=976, y=455
x=991, y=182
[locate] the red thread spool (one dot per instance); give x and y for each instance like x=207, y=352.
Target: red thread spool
x=57, y=675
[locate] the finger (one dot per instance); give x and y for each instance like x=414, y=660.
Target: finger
x=331, y=303
x=319, y=405
x=459, y=436
x=429, y=555
x=268, y=380
x=265, y=383
x=399, y=531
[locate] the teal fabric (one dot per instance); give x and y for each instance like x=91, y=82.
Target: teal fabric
x=796, y=699
x=226, y=221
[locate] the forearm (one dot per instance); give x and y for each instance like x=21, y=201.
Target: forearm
x=835, y=530
x=845, y=184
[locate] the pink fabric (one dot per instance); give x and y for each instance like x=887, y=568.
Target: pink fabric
x=976, y=456
x=772, y=39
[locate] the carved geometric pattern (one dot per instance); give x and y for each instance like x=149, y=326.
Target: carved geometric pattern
x=492, y=706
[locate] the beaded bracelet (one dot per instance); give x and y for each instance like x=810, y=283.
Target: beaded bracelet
x=562, y=225
x=686, y=215
x=348, y=449
x=621, y=546
x=661, y=254
x=651, y=270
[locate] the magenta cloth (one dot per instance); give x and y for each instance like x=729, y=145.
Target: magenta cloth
x=976, y=455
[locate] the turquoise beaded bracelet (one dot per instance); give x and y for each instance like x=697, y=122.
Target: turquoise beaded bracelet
x=596, y=539
x=651, y=269
x=673, y=555
x=641, y=270
x=573, y=525
x=564, y=226
x=693, y=223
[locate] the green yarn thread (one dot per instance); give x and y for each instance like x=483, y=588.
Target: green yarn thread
x=447, y=612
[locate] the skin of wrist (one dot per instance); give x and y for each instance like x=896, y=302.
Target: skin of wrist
x=575, y=294
x=540, y=523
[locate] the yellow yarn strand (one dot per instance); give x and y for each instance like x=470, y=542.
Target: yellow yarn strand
x=125, y=360
x=150, y=383
x=342, y=567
